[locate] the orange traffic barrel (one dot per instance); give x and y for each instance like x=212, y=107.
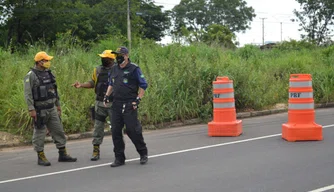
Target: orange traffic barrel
x=224, y=115
x=301, y=114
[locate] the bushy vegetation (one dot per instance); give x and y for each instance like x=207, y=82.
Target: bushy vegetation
x=180, y=79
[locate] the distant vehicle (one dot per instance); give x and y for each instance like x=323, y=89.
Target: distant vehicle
x=269, y=45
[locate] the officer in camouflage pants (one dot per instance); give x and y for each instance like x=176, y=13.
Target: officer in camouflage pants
x=100, y=83
x=41, y=96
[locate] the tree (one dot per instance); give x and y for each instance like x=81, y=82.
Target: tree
x=26, y=21
x=31, y=20
x=221, y=35
x=156, y=21
x=197, y=15
x=191, y=14
x=316, y=18
x=232, y=13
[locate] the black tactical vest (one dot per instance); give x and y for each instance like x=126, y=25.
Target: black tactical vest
x=125, y=84
x=102, y=84
x=47, y=88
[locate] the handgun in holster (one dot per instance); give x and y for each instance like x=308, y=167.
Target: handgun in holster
x=39, y=121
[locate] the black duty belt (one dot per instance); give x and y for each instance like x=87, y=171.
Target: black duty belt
x=99, y=98
x=48, y=106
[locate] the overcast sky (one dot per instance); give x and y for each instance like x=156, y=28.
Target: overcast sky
x=274, y=12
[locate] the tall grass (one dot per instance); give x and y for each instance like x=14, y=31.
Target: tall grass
x=179, y=77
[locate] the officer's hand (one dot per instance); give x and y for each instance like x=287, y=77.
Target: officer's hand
x=47, y=132
x=59, y=111
x=76, y=85
x=136, y=103
x=32, y=114
x=105, y=100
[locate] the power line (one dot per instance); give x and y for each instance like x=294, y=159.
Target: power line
x=280, y=14
x=164, y=3
x=275, y=22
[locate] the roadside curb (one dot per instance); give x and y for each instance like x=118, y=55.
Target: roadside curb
x=241, y=115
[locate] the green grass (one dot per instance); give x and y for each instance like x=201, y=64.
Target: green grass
x=179, y=78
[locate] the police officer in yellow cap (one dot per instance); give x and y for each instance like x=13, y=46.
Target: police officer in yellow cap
x=41, y=96
x=100, y=83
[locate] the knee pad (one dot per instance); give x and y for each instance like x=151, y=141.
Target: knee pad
x=100, y=117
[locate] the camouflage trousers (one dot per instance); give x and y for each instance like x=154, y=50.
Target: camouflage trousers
x=101, y=114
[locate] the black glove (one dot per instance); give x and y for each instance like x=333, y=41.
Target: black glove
x=106, y=99
x=136, y=102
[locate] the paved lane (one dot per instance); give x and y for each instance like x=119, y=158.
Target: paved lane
x=185, y=159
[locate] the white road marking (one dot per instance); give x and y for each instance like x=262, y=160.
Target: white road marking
x=323, y=189
x=152, y=156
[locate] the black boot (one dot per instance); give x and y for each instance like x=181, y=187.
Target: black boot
x=117, y=163
x=64, y=156
x=42, y=160
x=96, y=153
x=143, y=159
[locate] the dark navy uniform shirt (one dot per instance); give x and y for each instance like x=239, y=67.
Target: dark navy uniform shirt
x=138, y=75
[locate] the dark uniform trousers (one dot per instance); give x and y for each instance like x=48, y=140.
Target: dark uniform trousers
x=124, y=114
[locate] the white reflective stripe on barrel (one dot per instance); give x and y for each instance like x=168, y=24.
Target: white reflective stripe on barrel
x=223, y=95
x=301, y=95
x=223, y=105
x=223, y=85
x=301, y=84
x=301, y=106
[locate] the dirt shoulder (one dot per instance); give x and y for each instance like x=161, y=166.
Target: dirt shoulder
x=9, y=139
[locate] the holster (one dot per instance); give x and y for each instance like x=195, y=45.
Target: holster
x=39, y=121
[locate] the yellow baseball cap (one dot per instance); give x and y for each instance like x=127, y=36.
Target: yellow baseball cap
x=107, y=54
x=42, y=55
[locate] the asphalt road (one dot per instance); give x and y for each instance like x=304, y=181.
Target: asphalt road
x=185, y=159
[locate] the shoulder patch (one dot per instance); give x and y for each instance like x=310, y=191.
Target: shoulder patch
x=27, y=77
x=98, y=69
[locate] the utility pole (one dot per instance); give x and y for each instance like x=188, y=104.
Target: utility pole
x=129, y=25
x=281, y=31
x=263, y=30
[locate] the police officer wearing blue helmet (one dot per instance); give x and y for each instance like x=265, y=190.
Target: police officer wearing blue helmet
x=127, y=85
